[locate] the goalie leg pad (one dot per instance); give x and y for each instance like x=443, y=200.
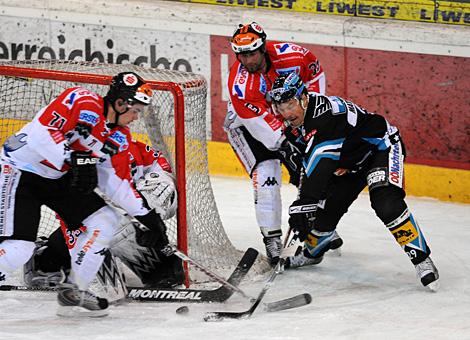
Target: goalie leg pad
x=150, y=268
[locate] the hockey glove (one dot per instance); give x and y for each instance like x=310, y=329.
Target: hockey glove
x=152, y=232
x=83, y=174
x=302, y=217
x=292, y=159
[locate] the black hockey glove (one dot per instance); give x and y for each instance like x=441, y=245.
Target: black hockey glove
x=152, y=232
x=294, y=136
x=302, y=217
x=83, y=174
x=292, y=159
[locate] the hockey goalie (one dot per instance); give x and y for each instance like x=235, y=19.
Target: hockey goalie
x=153, y=178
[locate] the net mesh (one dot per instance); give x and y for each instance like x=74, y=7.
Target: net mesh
x=22, y=96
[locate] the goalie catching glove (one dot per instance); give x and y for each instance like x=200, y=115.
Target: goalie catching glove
x=83, y=173
x=159, y=191
x=302, y=217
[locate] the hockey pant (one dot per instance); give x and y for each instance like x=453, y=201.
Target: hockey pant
x=264, y=168
x=25, y=193
x=384, y=178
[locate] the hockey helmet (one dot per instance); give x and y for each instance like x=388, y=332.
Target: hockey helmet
x=248, y=38
x=286, y=87
x=130, y=87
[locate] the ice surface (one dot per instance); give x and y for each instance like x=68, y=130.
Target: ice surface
x=370, y=292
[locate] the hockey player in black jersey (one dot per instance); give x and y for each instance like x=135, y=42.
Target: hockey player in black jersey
x=346, y=149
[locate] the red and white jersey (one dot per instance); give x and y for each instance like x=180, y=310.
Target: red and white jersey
x=142, y=159
x=75, y=121
x=249, y=98
x=145, y=159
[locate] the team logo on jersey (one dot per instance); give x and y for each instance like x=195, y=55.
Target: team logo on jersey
x=89, y=117
x=395, y=164
x=130, y=79
x=239, y=85
x=262, y=85
x=120, y=139
x=310, y=135
x=322, y=105
x=285, y=48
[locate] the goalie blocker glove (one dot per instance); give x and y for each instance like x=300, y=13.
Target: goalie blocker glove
x=83, y=174
x=302, y=216
x=292, y=159
x=152, y=231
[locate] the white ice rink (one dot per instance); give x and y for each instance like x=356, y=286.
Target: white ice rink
x=370, y=292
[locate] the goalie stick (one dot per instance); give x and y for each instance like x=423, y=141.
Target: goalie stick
x=220, y=294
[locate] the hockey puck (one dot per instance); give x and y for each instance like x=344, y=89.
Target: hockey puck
x=182, y=310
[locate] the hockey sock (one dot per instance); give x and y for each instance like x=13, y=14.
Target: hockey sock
x=88, y=253
x=409, y=236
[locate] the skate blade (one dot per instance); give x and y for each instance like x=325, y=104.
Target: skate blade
x=77, y=311
x=433, y=286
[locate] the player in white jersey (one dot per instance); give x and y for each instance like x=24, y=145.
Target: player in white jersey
x=256, y=134
x=154, y=179
x=77, y=141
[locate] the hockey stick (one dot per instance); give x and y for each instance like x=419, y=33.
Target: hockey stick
x=296, y=301
x=220, y=294
x=210, y=273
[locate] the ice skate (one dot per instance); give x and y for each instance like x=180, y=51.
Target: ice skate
x=273, y=249
x=74, y=302
x=34, y=277
x=300, y=259
x=428, y=274
x=335, y=244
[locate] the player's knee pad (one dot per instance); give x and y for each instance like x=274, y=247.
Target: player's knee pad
x=13, y=254
x=387, y=202
x=266, y=181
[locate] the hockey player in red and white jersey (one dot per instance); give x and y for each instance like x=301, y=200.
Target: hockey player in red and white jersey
x=78, y=140
x=153, y=177
x=256, y=134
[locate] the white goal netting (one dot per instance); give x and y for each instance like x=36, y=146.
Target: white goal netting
x=26, y=86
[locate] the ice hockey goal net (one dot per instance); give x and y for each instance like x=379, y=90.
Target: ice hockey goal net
x=175, y=124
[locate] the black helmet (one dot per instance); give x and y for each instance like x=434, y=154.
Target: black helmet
x=248, y=38
x=130, y=87
x=286, y=87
